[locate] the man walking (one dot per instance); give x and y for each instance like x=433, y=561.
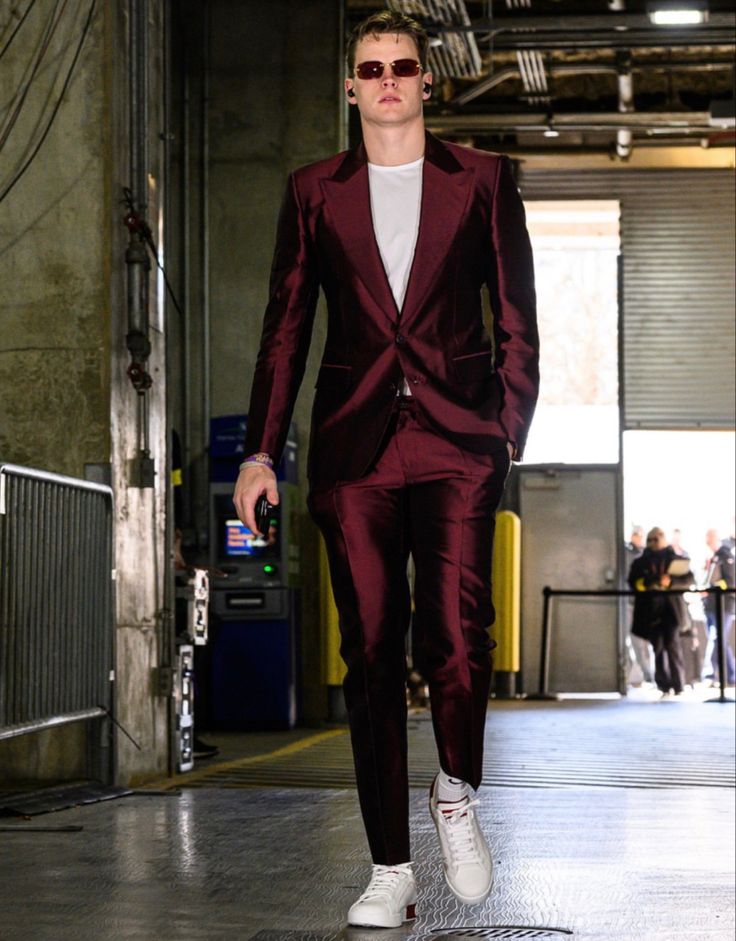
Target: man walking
x=720, y=571
x=417, y=414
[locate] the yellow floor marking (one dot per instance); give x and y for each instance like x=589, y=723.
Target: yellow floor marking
x=290, y=749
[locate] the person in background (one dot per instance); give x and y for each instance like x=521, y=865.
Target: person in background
x=639, y=653
x=689, y=642
x=676, y=543
x=658, y=613
x=730, y=541
x=635, y=546
x=719, y=571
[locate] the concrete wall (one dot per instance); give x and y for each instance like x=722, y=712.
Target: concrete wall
x=274, y=101
x=65, y=400
x=54, y=243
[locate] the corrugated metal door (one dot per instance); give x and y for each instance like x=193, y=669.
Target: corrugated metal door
x=678, y=235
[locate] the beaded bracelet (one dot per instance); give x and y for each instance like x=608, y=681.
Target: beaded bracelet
x=260, y=458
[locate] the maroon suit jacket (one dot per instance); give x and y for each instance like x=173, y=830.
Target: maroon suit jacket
x=477, y=390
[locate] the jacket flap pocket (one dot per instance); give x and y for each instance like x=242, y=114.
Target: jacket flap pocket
x=334, y=375
x=474, y=367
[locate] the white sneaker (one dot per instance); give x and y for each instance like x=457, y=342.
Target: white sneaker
x=466, y=857
x=389, y=900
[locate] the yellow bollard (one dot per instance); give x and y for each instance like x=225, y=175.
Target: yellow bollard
x=333, y=667
x=506, y=581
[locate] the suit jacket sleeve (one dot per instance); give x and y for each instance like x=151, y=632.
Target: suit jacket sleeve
x=513, y=300
x=287, y=331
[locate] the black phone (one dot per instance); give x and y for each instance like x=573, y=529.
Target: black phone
x=263, y=510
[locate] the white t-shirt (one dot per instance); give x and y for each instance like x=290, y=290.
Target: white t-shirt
x=396, y=199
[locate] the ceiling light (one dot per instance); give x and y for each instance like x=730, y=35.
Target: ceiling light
x=551, y=132
x=677, y=12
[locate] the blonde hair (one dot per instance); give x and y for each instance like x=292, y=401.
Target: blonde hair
x=388, y=21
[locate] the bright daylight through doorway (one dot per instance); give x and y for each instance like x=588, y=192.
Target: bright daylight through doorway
x=576, y=246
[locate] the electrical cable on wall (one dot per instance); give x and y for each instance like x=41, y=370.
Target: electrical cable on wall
x=20, y=22
x=85, y=31
x=21, y=94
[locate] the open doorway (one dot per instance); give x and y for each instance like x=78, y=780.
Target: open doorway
x=570, y=505
x=576, y=247
x=682, y=482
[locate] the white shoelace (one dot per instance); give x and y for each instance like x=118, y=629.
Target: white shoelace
x=385, y=881
x=460, y=830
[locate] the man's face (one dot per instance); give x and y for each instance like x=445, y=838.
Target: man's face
x=387, y=101
x=712, y=540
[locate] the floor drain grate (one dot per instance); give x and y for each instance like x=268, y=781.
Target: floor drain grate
x=268, y=935
x=506, y=932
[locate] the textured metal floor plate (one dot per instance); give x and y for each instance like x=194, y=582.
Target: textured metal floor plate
x=497, y=932
x=285, y=864
x=506, y=932
x=547, y=745
x=48, y=800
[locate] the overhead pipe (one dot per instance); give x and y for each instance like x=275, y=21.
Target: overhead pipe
x=624, y=136
x=137, y=257
x=665, y=122
x=592, y=68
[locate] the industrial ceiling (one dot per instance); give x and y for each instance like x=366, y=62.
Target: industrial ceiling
x=580, y=76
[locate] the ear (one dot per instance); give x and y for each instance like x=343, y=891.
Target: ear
x=350, y=92
x=427, y=91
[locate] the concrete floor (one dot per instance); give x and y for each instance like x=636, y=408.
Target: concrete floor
x=643, y=863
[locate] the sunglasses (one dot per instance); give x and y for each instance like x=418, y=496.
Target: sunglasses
x=402, y=68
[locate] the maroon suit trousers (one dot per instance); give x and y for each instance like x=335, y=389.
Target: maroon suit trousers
x=425, y=496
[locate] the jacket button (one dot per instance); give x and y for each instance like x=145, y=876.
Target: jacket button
x=399, y=339
x=415, y=380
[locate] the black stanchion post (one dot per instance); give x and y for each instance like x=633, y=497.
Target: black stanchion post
x=721, y=642
x=544, y=662
x=720, y=594
x=544, y=659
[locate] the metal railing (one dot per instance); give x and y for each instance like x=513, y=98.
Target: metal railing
x=550, y=593
x=56, y=600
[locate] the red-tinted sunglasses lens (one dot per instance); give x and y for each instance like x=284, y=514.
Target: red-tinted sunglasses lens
x=368, y=70
x=402, y=68
x=406, y=68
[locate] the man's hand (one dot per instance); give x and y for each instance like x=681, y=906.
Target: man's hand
x=253, y=480
x=665, y=581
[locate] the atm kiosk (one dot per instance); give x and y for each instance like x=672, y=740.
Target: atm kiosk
x=254, y=596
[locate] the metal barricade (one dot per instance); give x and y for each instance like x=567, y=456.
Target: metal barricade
x=56, y=600
x=549, y=593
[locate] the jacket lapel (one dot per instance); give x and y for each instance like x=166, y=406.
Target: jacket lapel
x=348, y=203
x=446, y=189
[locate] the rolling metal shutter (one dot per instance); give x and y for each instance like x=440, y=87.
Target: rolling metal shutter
x=678, y=235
